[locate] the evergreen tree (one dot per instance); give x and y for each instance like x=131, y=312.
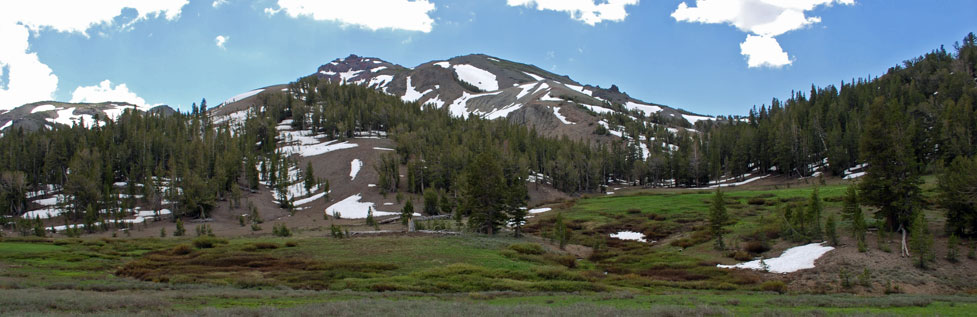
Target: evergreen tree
x=958, y=195
x=832, y=230
x=922, y=241
x=407, y=213
x=369, y=217
x=891, y=182
x=430, y=201
x=483, y=194
x=560, y=233
x=310, y=179
x=718, y=218
x=814, y=209
x=180, y=230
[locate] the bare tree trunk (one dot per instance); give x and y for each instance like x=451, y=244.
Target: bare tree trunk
x=905, y=250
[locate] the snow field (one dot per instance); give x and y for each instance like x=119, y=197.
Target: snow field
x=792, y=260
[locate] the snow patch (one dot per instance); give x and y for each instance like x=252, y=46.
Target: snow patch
x=378, y=69
x=556, y=112
x=412, y=95
x=693, y=119
x=647, y=109
x=312, y=198
x=43, y=108
x=353, y=208
x=382, y=148
x=740, y=183
x=629, y=235
x=443, y=64
x=354, y=168
x=242, y=96
x=482, y=79
x=534, y=76
x=793, y=260
x=854, y=175
x=539, y=210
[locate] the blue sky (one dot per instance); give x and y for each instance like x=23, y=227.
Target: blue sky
x=170, y=55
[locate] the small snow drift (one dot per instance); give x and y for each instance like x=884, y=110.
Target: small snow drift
x=629, y=235
x=354, y=168
x=352, y=208
x=539, y=210
x=793, y=260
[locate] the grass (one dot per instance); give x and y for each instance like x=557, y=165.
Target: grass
x=443, y=275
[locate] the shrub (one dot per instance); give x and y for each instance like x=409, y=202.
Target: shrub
x=774, y=286
x=180, y=230
x=634, y=211
x=756, y=247
x=741, y=255
x=207, y=242
x=182, y=249
x=291, y=244
x=527, y=248
x=265, y=245
x=757, y=201
x=564, y=260
x=281, y=230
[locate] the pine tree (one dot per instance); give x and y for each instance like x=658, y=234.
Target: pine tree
x=483, y=193
x=814, y=209
x=718, y=218
x=891, y=182
x=310, y=179
x=180, y=230
x=430, y=201
x=407, y=213
x=958, y=195
x=852, y=211
x=922, y=241
x=560, y=233
x=369, y=217
x=832, y=230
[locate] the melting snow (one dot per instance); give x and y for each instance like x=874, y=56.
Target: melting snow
x=412, y=95
x=354, y=168
x=740, y=183
x=534, y=76
x=693, y=119
x=794, y=259
x=43, y=108
x=580, y=89
x=309, y=199
x=352, y=208
x=539, y=210
x=629, y=235
x=502, y=113
x=378, y=69
x=443, y=64
x=242, y=96
x=7, y=125
x=597, y=109
x=380, y=81
x=382, y=148
x=347, y=75
x=556, y=112
x=482, y=79
x=647, y=109
x=854, y=175
x=459, y=107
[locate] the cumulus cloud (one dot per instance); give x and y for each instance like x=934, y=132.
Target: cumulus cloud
x=104, y=92
x=762, y=20
x=763, y=51
x=218, y=3
x=220, y=40
x=29, y=79
x=587, y=11
x=369, y=14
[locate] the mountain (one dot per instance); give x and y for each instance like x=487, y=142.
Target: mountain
x=45, y=114
x=492, y=88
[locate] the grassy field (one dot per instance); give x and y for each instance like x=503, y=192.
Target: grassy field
x=446, y=275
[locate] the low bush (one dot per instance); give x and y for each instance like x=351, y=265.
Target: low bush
x=207, y=242
x=774, y=286
x=756, y=247
x=527, y=248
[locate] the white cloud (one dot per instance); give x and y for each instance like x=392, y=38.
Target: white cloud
x=587, y=11
x=220, y=40
x=763, y=51
x=370, y=14
x=218, y=3
x=762, y=20
x=104, y=92
x=28, y=79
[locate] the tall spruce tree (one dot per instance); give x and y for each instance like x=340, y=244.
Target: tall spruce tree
x=718, y=218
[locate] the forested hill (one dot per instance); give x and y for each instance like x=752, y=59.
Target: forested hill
x=928, y=103
x=191, y=163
